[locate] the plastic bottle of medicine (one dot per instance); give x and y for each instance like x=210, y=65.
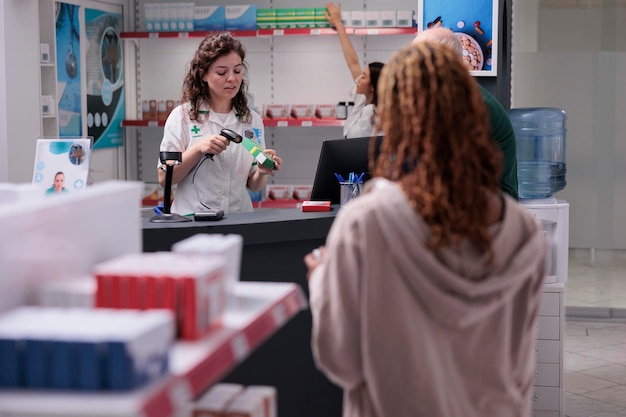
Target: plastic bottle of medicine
x=342, y=110
x=350, y=107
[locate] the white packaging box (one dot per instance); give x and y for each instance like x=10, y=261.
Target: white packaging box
x=268, y=395
x=248, y=404
x=404, y=18
x=215, y=401
x=44, y=53
x=14, y=193
x=48, y=106
x=345, y=18
x=372, y=19
x=230, y=247
x=357, y=19
x=72, y=293
x=388, y=19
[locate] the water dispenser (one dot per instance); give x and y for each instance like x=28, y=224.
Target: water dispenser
x=540, y=135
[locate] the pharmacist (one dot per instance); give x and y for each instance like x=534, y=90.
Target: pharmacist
x=215, y=173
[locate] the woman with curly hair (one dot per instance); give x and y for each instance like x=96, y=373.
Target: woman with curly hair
x=214, y=175
x=425, y=295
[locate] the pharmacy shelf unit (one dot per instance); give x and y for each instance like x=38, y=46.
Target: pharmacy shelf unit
x=255, y=311
x=286, y=66
x=48, y=111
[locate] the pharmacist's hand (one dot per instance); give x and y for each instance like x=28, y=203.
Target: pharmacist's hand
x=213, y=145
x=277, y=162
x=333, y=14
x=313, y=259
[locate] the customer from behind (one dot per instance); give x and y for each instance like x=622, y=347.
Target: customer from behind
x=424, y=298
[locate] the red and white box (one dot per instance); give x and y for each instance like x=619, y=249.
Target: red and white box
x=276, y=111
x=279, y=192
x=193, y=287
x=326, y=111
x=301, y=192
x=302, y=111
x=315, y=206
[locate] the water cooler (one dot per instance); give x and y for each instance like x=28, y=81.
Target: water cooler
x=540, y=134
x=553, y=216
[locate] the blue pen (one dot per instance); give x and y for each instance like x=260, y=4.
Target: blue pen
x=361, y=177
x=339, y=177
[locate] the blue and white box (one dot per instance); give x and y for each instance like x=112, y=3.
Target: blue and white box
x=209, y=17
x=241, y=17
x=187, y=17
x=150, y=12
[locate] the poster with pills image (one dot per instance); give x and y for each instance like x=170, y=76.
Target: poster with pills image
x=62, y=165
x=475, y=24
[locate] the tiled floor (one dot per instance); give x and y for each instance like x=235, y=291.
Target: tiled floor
x=595, y=346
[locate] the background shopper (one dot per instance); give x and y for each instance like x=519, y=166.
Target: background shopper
x=360, y=121
x=501, y=129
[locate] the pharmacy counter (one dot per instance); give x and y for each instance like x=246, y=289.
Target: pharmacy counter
x=275, y=243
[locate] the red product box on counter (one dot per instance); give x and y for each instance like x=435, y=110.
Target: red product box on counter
x=316, y=205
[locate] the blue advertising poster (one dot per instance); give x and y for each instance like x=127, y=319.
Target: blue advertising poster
x=474, y=24
x=105, y=78
x=68, y=69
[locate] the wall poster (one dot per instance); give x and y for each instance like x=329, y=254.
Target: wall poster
x=68, y=69
x=62, y=165
x=105, y=78
x=475, y=22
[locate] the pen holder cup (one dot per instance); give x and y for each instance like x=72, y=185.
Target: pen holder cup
x=349, y=190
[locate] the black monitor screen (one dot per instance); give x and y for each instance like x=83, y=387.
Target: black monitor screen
x=340, y=156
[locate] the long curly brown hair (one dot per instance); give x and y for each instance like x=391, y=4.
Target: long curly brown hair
x=196, y=90
x=436, y=143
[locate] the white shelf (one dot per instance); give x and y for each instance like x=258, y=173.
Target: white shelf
x=256, y=311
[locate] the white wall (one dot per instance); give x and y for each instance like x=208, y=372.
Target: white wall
x=576, y=60
x=4, y=169
x=21, y=68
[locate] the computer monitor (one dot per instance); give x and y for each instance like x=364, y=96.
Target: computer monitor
x=340, y=156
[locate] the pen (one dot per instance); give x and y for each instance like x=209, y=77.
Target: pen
x=339, y=177
x=361, y=177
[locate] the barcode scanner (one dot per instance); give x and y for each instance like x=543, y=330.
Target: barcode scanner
x=231, y=135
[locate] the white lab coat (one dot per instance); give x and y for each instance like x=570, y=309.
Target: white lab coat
x=360, y=120
x=219, y=183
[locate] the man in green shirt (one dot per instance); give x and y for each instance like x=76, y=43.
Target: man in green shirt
x=501, y=128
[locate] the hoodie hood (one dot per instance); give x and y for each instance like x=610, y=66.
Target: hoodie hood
x=456, y=278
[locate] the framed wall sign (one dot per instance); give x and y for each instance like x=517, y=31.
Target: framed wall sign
x=475, y=22
x=62, y=165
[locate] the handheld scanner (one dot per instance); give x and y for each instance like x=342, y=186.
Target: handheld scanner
x=231, y=135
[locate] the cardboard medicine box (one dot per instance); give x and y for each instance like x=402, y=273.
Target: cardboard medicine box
x=209, y=17
x=266, y=18
x=240, y=17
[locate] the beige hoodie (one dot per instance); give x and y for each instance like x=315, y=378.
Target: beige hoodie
x=406, y=332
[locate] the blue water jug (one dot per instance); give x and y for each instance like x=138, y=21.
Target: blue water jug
x=540, y=134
